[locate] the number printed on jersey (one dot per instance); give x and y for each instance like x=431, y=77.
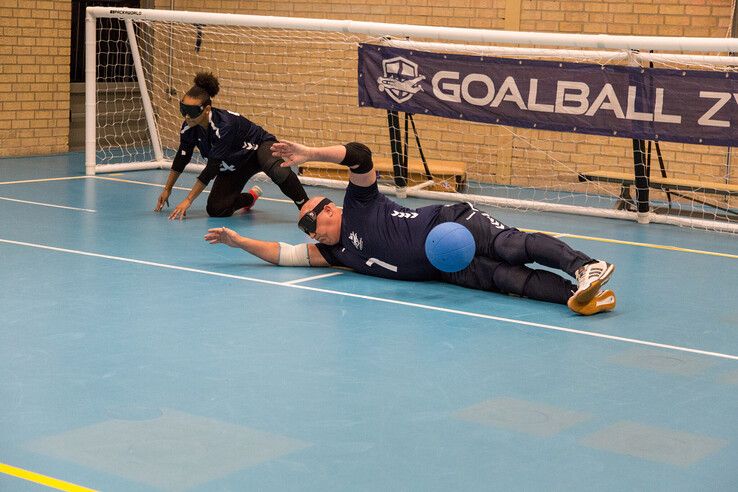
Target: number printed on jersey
x=404, y=215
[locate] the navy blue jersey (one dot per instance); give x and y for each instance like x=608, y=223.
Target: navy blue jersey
x=228, y=142
x=382, y=238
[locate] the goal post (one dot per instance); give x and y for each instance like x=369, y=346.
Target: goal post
x=305, y=80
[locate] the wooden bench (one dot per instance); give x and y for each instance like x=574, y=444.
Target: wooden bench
x=448, y=175
x=626, y=180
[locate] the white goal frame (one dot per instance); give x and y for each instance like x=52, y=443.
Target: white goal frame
x=619, y=48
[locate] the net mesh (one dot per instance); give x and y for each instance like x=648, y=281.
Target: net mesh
x=302, y=86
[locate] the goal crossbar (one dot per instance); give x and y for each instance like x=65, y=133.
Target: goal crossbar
x=602, y=41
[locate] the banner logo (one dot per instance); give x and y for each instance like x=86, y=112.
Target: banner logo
x=400, y=80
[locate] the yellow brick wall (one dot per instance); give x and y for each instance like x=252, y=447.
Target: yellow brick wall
x=528, y=157
x=34, y=76
x=483, y=14
x=35, y=60
x=709, y=18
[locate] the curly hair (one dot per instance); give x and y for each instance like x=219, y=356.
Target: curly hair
x=206, y=86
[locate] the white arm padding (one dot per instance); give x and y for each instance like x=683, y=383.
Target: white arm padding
x=296, y=255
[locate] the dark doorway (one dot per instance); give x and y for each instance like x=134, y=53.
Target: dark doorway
x=114, y=55
x=114, y=63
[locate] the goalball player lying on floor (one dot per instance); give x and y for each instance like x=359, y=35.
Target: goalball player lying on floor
x=375, y=236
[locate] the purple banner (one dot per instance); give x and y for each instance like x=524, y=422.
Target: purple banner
x=650, y=104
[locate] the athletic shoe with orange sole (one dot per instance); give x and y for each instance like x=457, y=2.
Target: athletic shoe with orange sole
x=590, y=279
x=603, y=301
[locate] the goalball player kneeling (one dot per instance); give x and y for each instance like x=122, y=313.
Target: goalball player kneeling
x=376, y=236
x=235, y=148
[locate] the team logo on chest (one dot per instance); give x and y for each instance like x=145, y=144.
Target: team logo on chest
x=356, y=241
x=226, y=167
x=404, y=215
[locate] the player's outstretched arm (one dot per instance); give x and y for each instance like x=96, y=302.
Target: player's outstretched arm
x=276, y=253
x=294, y=154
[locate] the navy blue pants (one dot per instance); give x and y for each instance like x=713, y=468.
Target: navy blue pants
x=227, y=194
x=502, y=253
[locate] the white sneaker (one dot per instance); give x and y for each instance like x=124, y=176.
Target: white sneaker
x=590, y=278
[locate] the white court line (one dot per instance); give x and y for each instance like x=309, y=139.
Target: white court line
x=41, y=180
x=385, y=300
x=314, y=277
x=156, y=185
x=48, y=205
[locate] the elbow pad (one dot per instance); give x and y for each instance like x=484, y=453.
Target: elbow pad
x=358, y=158
x=296, y=255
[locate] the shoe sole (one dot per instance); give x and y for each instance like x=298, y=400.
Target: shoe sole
x=606, y=304
x=590, y=292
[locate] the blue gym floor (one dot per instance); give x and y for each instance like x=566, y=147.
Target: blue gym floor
x=134, y=356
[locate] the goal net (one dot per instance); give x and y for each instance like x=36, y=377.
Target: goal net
x=459, y=132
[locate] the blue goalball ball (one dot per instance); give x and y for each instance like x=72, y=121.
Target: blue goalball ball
x=450, y=247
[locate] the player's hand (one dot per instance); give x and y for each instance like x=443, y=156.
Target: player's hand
x=180, y=211
x=162, y=200
x=222, y=235
x=293, y=154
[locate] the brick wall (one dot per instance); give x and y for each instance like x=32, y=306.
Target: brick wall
x=710, y=18
x=523, y=157
x=36, y=57
x=34, y=76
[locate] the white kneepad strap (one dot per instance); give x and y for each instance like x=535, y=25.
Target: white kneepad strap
x=290, y=255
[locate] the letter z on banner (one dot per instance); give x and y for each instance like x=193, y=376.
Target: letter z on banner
x=688, y=106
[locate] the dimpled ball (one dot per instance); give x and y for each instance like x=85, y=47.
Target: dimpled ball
x=450, y=247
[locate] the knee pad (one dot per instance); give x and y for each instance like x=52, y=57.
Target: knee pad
x=511, y=279
x=275, y=171
x=217, y=210
x=510, y=245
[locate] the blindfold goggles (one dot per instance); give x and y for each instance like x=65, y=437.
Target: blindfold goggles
x=192, y=110
x=309, y=222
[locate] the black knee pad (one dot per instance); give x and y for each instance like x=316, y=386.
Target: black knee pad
x=219, y=212
x=275, y=171
x=510, y=246
x=511, y=279
x=216, y=209
x=548, y=286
